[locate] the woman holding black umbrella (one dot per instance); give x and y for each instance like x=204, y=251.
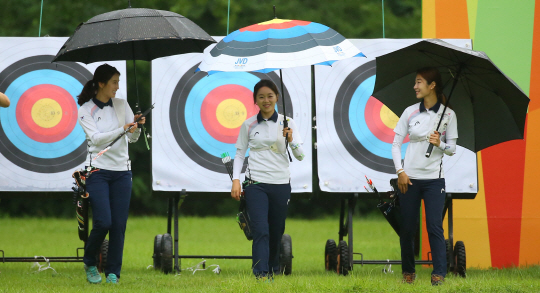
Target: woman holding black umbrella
x=421, y=177
x=267, y=185
x=103, y=118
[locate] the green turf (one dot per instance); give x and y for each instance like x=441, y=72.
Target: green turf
x=220, y=236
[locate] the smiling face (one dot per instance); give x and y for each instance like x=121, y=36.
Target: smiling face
x=266, y=99
x=422, y=88
x=109, y=90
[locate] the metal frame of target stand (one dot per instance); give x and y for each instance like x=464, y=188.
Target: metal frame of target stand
x=173, y=211
x=346, y=229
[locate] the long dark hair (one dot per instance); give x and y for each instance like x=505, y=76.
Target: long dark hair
x=267, y=83
x=102, y=74
x=432, y=74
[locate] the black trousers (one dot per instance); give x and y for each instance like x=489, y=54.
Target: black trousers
x=434, y=195
x=267, y=206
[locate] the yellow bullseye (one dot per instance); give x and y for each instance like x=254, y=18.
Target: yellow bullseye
x=47, y=113
x=389, y=118
x=231, y=113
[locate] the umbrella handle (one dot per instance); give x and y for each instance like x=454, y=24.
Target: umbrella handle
x=429, y=150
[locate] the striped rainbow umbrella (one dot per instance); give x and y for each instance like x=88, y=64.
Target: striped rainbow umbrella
x=278, y=44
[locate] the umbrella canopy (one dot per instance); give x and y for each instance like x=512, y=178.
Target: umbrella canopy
x=133, y=34
x=278, y=44
x=490, y=107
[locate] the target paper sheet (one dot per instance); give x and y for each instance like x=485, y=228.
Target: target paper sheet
x=355, y=130
x=197, y=117
x=41, y=143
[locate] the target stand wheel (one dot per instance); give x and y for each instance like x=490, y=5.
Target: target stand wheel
x=166, y=253
x=449, y=267
x=157, y=252
x=102, y=256
x=342, y=258
x=461, y=259
x=285, y=257
x=330, y=255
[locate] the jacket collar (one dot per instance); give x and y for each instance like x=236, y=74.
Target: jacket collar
x=274, y=117
x=435, y=108
x=100, y=104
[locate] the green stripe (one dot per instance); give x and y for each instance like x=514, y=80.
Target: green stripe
x=504, y=30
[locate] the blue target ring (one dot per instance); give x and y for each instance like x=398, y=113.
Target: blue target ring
x=69, y=150
x=352, y=125
x=9, y=120
x=194, y=102
x=357, y=120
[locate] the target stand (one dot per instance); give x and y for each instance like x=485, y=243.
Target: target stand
x=339, y=257
x=167, y=258
x=80, y=199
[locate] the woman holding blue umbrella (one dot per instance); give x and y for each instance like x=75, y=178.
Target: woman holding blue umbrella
x=267, y=186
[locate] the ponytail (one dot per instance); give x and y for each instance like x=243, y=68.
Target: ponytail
x=88, y=92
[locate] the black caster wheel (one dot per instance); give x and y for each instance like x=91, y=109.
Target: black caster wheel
x=102, y=256
x=285, y=257
x=461, y=259
x=330, y=255
x=166, y=253
x=449, y=255
x=157, y=252
x=342, y=258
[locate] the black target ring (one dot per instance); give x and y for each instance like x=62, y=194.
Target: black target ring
x=342, y=123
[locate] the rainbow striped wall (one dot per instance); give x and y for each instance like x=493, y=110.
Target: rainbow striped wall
x=501, y=226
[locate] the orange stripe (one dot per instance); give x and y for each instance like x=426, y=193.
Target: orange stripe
x=471, y=225
x=428, y=19
x=529, y=252
x=452, y=19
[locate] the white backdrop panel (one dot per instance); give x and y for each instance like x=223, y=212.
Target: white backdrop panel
x=197, y=118
x=355, y=131
x=41, y=143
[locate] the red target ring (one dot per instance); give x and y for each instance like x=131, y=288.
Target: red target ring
x=224, y=110
x=375, y=124
x=45, y=113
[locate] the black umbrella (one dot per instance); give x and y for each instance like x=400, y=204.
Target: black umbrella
x=134, y=34
x=491, y=108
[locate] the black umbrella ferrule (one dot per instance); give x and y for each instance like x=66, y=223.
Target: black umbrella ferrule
x=275, y=11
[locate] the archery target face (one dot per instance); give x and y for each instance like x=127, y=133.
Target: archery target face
x=200, y=118
x=38, y=132
x=40, y=139
x=355, y=130
x=207, y=111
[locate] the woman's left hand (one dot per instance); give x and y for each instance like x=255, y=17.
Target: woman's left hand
x=288, y=131
x=435, y=139
x=142, y=121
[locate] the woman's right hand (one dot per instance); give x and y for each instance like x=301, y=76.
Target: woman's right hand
x=403, y=182
x=236, y=189
x=134, y=124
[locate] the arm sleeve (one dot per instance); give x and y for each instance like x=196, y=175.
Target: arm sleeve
x=238, y=163
x=396, y=151
x=241, y=149
x=90, y=128
x=449, y=147
x=132, y=137
x=296, y=144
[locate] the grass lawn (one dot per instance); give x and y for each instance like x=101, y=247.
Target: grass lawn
x=221, y=236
